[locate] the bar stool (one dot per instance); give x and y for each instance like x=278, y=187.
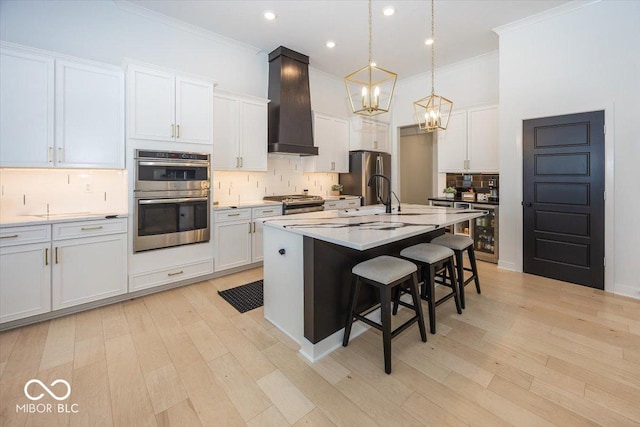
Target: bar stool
x=459, y=244
x=432, y=258
x=385, y=273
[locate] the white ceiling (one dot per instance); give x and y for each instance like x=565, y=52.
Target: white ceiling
x=463, y=28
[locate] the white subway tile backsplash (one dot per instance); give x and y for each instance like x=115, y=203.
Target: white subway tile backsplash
x=284, y=176
x=41, y=191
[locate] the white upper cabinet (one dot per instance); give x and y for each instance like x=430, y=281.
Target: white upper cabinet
x=239, y=133
x=369, y=134
x=166, y=107
x=84, y=104
x=470, y=143
x=89, y=116
x=26, y=109
x=331, y=136
x=483, y=139
x=452, y=144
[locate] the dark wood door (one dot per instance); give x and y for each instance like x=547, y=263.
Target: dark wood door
x=563, y=198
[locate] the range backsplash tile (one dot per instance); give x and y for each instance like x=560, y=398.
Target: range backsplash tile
x=54, y=191
x=284, y=176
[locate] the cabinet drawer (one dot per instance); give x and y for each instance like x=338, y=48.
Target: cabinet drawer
x=233, y=215
x=351, y=203
x=275, y=210
x=73, y=230
x=170, y=275
x=336, y=204
x=12, y=236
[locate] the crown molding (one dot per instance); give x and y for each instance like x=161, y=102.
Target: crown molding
x=181, y=25
x=543, y=16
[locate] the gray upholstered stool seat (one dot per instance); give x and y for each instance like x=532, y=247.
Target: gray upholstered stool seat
x=385, y=269
x=386, y=273
x=426, y=252
x=432, y=259
x=456, y=241
x=459, y=244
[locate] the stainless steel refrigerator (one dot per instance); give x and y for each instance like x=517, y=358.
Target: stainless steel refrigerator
x=363, y=164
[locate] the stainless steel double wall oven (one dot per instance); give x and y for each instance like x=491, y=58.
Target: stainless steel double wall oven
x=172, y=199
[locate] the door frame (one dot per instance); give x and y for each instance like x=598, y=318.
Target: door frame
x=609, y=187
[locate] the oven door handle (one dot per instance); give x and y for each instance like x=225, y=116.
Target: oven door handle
x=178, y=163
x=181, y=200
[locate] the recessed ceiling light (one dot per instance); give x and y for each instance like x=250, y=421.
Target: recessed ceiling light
x=270, y=16
x=428, y=41
x=331, y=44
x=388, y=11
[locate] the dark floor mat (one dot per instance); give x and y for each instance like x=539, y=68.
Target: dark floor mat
x=244, y=298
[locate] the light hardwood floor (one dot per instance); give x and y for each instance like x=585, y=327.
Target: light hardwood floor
x=528, y=351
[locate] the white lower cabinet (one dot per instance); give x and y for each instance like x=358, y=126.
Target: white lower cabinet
x=232, y=234
x=84, y=261
x=238, y=236
x=88, y=269
x=346, y=203
x=151, y=279
x=25, y=281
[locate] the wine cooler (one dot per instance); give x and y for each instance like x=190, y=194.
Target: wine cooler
x=485, y=233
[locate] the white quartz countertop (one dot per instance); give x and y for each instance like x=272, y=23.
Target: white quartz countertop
x=340, y=197
x=26, y=220
x=255, y=204
x=368, y=227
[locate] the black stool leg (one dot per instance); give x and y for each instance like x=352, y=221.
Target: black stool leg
x=396, y=297
x=460, y=268
x=474, y=267
x=353, y=300
x=385, y=311
x=454, y=285
x=429, y=290
x=417, y=304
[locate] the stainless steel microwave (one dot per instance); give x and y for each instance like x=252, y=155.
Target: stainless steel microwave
x=171, y=171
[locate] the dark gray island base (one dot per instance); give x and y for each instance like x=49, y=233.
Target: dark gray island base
x=308, y=260
x=327, y=280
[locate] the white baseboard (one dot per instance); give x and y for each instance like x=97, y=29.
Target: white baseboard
x=627, y=291
x=507, y=265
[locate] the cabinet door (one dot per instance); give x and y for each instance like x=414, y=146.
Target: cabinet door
x=88, y=269
x=253, y=135
x=226, y=139
x=194, y=116
x=25, y=281
x=452, y=144
x=233, y=244
x=151, y=104
x=89, y=116
x=26, y=109
x=381, y=137
x=483, y=139
x=341, y=145
x=323, y=136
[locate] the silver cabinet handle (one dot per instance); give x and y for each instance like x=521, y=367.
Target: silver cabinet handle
x=269, y=211
x=241, y=162
x=249, y=228
x=254, y=228
x=50, y=155
x=177, y=131
x=237, y=162
x=13, y=236
x=99, y=227
x=57, y=259
x=173, y=130
x=176, y=273
x=233, y=214
x=46, y=256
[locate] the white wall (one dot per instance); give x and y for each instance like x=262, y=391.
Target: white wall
x=466, y=83
x=105, y=32
x=583, y=60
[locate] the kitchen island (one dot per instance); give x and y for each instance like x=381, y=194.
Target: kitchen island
x=308, y=260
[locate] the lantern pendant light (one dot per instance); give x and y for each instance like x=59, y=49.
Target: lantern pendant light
x=432, y=112
x=370, y=88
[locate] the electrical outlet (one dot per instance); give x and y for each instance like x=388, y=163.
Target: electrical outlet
x=88, y=188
